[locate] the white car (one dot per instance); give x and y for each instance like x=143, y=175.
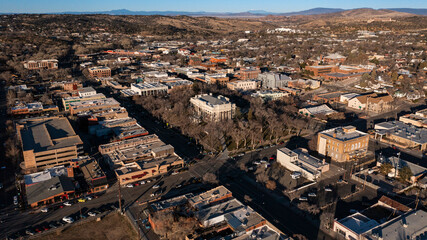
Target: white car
x=92, y=214
x=156, y=186
x=45, y=210
x=142, y=182
x=312, y=195
x=370, y=171
x=148, y=181
x=68, y=219
x=328, y=189
x=89, y=198
x=257, y=163
x=296, y=175
x=68, y=204
x=303, y=199
x=129, y=185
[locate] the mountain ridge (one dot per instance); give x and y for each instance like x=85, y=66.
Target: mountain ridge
x=249, y=13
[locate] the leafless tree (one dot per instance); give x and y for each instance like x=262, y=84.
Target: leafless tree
x=210, y=178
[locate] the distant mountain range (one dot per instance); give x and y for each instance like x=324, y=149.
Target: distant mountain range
x=251, y=13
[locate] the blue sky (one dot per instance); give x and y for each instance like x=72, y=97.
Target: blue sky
x=43, y=6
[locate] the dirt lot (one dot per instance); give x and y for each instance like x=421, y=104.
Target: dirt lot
x=112, y=227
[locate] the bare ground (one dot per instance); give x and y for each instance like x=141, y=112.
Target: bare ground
x=112, y=227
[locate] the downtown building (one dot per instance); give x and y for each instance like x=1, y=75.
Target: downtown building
x=47, y=142
x=41, y=64
x=140, y=158
x=343, y=144
x=218, y=108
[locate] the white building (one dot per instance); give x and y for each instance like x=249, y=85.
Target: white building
x=317, y=110
x=86, y=92
x=213, y=108
x=299, y=160
x=243, y=85
x=145, y=89
x=268, y=95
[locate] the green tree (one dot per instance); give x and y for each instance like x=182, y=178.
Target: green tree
x=386, y=168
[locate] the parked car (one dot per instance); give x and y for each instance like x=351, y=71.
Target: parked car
x=45, y=210
x=327, y=189
x=312, y=195
x=15, y=200
x=156, y=186
x=92, y=214
x=303, y=199
x=142, y=182
x=29, y=232
x=68, y=204
x=53, y=225
x=296, y=175
x=370, y=171
x=89, y=198
x=68, y=219
x=129, y=185
x=82, y=200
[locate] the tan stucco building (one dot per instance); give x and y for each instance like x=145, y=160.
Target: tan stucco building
x=47, y=142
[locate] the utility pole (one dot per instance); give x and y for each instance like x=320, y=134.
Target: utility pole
x=120, y=198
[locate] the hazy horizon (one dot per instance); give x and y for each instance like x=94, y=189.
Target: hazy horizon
x=276, y=6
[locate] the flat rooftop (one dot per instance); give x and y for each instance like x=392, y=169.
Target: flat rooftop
x=403, y=130
x=130, y=142
x=49, y=188
x=45, y=175
x=343, y=133
x=203, y=199
x=172, y=202
x=48, y=134
x=211, y=100
x=261, y=233
x=218, y=210
x=146, y=164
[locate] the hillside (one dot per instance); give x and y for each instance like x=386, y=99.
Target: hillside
x=150, y=25
x=343, y=17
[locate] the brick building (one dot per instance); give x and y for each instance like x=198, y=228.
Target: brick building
x=99, y=72
x=343, y=143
